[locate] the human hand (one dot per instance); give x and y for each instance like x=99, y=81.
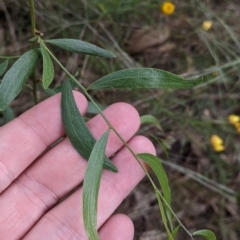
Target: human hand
x=32, y=183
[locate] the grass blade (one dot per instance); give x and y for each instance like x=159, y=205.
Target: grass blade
x=3, y=67
x=48, y=69
x=76, y=128
x=78, y=46
x=207, y=234
x=16, y=76
x=146, y=78
x=91, y=186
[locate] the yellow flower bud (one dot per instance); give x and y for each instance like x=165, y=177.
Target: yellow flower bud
x=234, y=119
x=217, y=143
x=219, y=148
x=216, y=140
x=237, y=125
x=207, y=25
x=237, y=128
x=167, y=8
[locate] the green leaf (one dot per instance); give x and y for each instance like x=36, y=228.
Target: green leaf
x=91, y=185
x=156, y=166
x=162, y=211
x=92, y=108
x=145, y=78
x=150, y=119
x=48, y=91
x=207, y=234
x=48, y=69
x=78, y=46
x=3, y=67
x=174, y=232
x=76, y=128
x=8, y=115
x=158, y=169
x=16, y=76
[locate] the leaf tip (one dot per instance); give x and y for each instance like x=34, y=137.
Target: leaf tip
x=2, y=108
x=112, y=55
x=114, y=169
x=45, y=86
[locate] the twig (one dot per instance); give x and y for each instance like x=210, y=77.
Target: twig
x=33, y=24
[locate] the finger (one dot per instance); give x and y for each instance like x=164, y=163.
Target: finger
x=65, y=219
x=58, y=171
x=118, y=227
x=26, y=137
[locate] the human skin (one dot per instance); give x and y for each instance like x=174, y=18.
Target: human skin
x=33, y=180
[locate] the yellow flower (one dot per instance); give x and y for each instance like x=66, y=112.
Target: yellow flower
x=167, y=8
x=217, y=143
x=237, y=128
x=219, y=148
x=236, y=125
x=207, y=25
x=233, y=119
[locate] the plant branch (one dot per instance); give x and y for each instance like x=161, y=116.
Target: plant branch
x=33, y=24
x=33, y=18
x=123, y=141
x=161, y=208
x=91, y=99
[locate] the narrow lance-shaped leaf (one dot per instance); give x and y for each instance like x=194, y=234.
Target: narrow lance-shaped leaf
x=146, y=78
x=207, y=234
x=158, y=169
x=8, y=115
x=156, y=165
x=78, y=46
x=48, y=69
x=3, y=67
x=15, y=78
x=91, y=185
x=76, y=128
x=92, y=108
